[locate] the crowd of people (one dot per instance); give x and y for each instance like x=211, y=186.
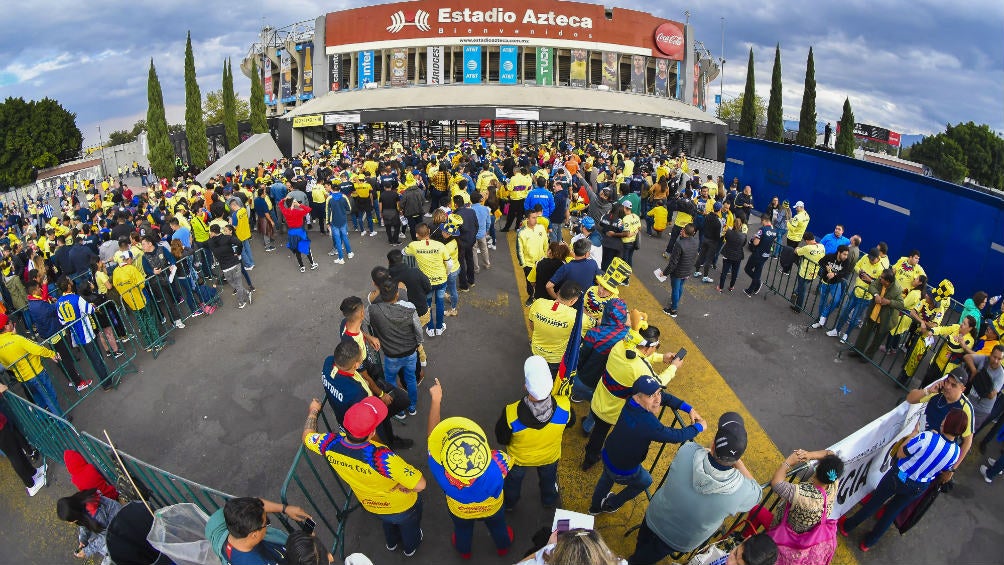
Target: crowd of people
x=441, y=210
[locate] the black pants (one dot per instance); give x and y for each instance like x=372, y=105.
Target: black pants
x=515, y=214
x=673, y=235
x=299, y=258
x=413, y=222
x=393, y=228
x=650, y=547
x=13, y=444
x=608, y=256
x=68, y=367
x=729, y=267
x=754, y=268
x=595, y=444
x=162, y=291
x=316, y=215
x=989, y=422
x=466, y=254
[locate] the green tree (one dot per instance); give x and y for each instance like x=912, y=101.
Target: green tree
x=984, y=151
x=229, y=106
x=943, y=155
x=775, y=119
x=138, y=127
x=731, y=109
x=807, y=117
x=845, y=138
x=195, y=127
x=36, y=134
x=747, y=115
x=259, y=123
x=212, y=107
x=161, y=152
x=120, y=136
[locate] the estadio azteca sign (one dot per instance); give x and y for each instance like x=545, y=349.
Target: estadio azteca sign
x=501, y=15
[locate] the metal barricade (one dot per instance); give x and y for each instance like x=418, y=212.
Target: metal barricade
x=309, y=480
x=49, y=433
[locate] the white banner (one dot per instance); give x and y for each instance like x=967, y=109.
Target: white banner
x=434, y=65
x=866, y=453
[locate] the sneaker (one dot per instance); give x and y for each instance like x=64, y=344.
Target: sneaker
x=428, y=214
x=430, y=332
x=758, y=288
x=832, y=333
x=332, y=254
x=303, y=269
x=816, y=326
x=40, y=472
x=372, y=234
x=234, y=293
x=670, y=312
x=604, y=507
x=179, y=324
x=983, y=473
x=83, y=386
x=698, y=274
x=659, y=275
x=391, y=547
x=529, y=301
x=421, y=536
x=843, y=338
x=864, y=548
x=492, y=247
x=339, y=261
x=39, y=483
x=575, y=399
x=313, y=266
x=242, y=305
x=991, y=461
x=125, y=339
x=719, y=289
x=270, y=249
x=351, y=255
x=441, y=329
x=465, y=289
x=412, y=411
x=117, y=354
x=251, y=268
x=400, y=415
x=451, y=312
x=196, y=313
x=707, y=280
x=747, y=293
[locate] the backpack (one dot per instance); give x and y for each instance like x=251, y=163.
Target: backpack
x=982, y=383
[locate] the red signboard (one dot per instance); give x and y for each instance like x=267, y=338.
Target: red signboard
x=669, y=40
x=504, y=129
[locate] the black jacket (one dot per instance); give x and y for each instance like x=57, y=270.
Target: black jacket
x=222, y=247
x=683, y=257
x=417, y=283
x=734, y=242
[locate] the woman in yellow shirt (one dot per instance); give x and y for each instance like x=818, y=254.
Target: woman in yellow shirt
x=444, y=232
x=958, y=342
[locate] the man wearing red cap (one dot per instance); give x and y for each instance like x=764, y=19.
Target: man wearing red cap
x=384, y=483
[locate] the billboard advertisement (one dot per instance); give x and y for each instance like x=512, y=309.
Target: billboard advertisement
x=366, y=70
x=545, y=66
x=611, y=61
x=639, y=68
x=399, y=67
x=669, y=41
x=335, y=72
x=285, y=77
x=436, y=70
x=266, y=69
x=472, y=64
x=874, y=133
x=499, y=129
x=577, y=70
x=508, y=64
x=661, y=87
x=307, y=88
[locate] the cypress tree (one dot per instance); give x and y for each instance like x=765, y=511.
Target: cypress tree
x=747, y=116
x=845, y=138
x=775, y=119
x=229, y=106
x=195, y=126
x=259, y=123
x=161, y=152
x=807, y=118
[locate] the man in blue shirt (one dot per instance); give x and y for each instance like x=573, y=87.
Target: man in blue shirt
x=484, y=216
x=583, y=270
x=627, y=445
x=539, y=194
x=833, y=240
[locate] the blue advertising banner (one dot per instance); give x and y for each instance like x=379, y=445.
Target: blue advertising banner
x=472, y=64
x=508, y=64
x=366, y=74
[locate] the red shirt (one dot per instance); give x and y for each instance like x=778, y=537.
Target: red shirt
x=294, y=216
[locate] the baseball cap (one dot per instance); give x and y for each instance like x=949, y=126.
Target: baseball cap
x=717, y=206
x=800, y=204
x=960, y=374
x=537, y=377
x=364, y=416
x=646, y=384
x=627, y=204
x=730, y=439
x=588, y=222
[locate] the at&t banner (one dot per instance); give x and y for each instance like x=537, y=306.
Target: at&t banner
x=472, y=64
x=508, y=64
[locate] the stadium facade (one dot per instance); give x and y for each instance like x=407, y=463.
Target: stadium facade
x=526, y=69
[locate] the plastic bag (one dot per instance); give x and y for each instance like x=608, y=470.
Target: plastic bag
x=179, y=532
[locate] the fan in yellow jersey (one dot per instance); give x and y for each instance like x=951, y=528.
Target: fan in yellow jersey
x=532, y=428
x=471, y=475
x=867, y=269
x=958, y=342
x=519, y=186
x=797, y=224
x=531, y=246
x=624, y=365
x=631, y=225
x=551, y=323
x=434, y=261
x=385, y=484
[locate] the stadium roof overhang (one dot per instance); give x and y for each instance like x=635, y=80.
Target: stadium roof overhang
x=480, y=102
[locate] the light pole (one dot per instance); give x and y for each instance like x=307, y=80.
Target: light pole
x=721, y=70
x=101, y=144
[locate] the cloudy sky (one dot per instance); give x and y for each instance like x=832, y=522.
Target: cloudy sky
x=908, y=65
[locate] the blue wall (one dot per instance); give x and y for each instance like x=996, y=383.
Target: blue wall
x=959, y=231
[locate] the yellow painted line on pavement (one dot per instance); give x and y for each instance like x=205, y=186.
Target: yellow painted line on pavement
x=698, y=383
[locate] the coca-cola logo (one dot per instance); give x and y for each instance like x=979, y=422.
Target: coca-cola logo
x=669, y=40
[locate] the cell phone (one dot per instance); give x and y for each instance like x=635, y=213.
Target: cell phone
x=563, y=526
x=308, y=526
x=681, y=354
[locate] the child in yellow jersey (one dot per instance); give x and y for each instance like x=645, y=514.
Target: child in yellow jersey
x=656, y=220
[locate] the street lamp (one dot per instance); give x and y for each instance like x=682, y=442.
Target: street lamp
x=101, y=145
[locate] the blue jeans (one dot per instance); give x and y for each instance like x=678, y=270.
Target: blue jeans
x=340, y=238
x=851, y=313
x=547, y=479
x=43, y=393
x=782, y=234
x=554, y=232
x=404, y=527
x=801, y=287
x=436, y=317
x=677, y=285
x=393, y=365
x=246, y=254
x=898, y=493
x=581, y=391
x=634, y=484
x=829, y=297
x=451, y=288
x=463, y=530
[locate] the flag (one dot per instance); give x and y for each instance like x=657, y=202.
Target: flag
x=569, y=366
